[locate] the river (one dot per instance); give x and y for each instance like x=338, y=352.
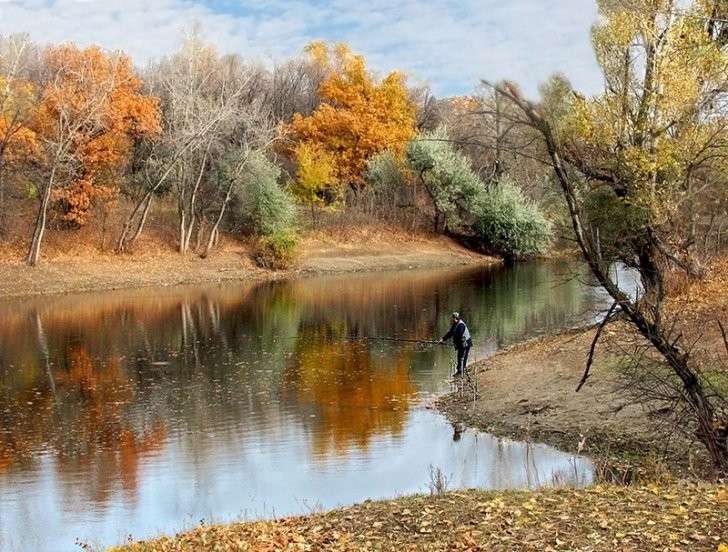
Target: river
x=136, y=413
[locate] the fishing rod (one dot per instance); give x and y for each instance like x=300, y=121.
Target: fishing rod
x=377, y=338
x=403, y=340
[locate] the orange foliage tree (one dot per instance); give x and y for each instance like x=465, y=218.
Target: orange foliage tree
x=358, y=117
x=91, y=111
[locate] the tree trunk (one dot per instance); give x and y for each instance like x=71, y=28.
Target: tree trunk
x=121, y=242
x=146, y=200
x=188, y=210
x=143, y=219
x=182, y=230
x=2, y=196
x=212, y=238
x=40, y=222
x=198, y=236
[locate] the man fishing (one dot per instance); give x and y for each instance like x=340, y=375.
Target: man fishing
x=461, y=340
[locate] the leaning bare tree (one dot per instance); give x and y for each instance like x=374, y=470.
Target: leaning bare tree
x=633, y=165
x=255, y=132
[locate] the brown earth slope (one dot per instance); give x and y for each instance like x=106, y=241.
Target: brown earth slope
x=87, y=269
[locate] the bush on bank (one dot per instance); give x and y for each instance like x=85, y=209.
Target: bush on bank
x=510, y=223
x=499, y=216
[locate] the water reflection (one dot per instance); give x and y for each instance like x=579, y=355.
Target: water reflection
x=143, y=411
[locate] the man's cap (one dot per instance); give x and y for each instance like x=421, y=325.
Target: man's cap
x=456, y=315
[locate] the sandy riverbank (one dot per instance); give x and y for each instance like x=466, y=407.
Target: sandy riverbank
x=367, y=251
x=529, y=390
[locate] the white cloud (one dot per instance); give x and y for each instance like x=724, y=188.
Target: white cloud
x=450, y=43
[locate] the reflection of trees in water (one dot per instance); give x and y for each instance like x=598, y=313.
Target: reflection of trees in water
x=353, y=394
x=78, y=416
x=522, y=300
x=97, y=380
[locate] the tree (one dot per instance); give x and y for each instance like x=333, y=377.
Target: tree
x=293, y=88
x=448, y=178
x=266, y=209
x=18, y=103
x=498, y=217
x=246, y=159
x=485, y=130
x=212, y=105
x=655, y=140
x=358, y=116
x=91, y=111
x=316, y=183
x=393, y=189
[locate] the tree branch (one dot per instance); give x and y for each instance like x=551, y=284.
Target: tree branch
x=592, y=349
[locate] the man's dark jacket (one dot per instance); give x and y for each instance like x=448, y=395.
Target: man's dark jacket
x=460, y=335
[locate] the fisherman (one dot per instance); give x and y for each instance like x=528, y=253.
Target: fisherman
x=461, y=340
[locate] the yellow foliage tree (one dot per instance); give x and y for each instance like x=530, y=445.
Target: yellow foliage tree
x=316, y=183
x=358, y=116
x=635, y=165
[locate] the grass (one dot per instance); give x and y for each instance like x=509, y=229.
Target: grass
x=688, y=516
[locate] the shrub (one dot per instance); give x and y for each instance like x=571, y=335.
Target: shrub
x=447, y=176
x=266, y=209
x=276, y=251
x=390, y=188
x=500, y=217
x=385, y=174
x=510, y=223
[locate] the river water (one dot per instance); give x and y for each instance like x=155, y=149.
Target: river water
x=144, y=412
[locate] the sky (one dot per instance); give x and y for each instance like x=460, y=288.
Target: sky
x=448, y=44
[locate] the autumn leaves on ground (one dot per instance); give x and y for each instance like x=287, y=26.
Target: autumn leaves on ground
x=666, y=517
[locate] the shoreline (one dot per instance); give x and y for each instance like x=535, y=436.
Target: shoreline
x=528, y=393
x=599, y=518
x=110, y=272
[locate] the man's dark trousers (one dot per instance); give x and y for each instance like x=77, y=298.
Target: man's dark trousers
x=463, y=353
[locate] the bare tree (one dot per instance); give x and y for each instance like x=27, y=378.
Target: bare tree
x=201, y=94
x=292, y=87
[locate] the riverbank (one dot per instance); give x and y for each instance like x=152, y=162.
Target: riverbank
x=365, y=250
x=528, y=392
x=599, y=518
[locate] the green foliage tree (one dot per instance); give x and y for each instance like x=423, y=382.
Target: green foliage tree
x=498, y=216
x=447, y=177
x=265, y=208
x=510, y=223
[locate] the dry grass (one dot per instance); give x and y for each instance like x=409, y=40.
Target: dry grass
x=674, y=517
